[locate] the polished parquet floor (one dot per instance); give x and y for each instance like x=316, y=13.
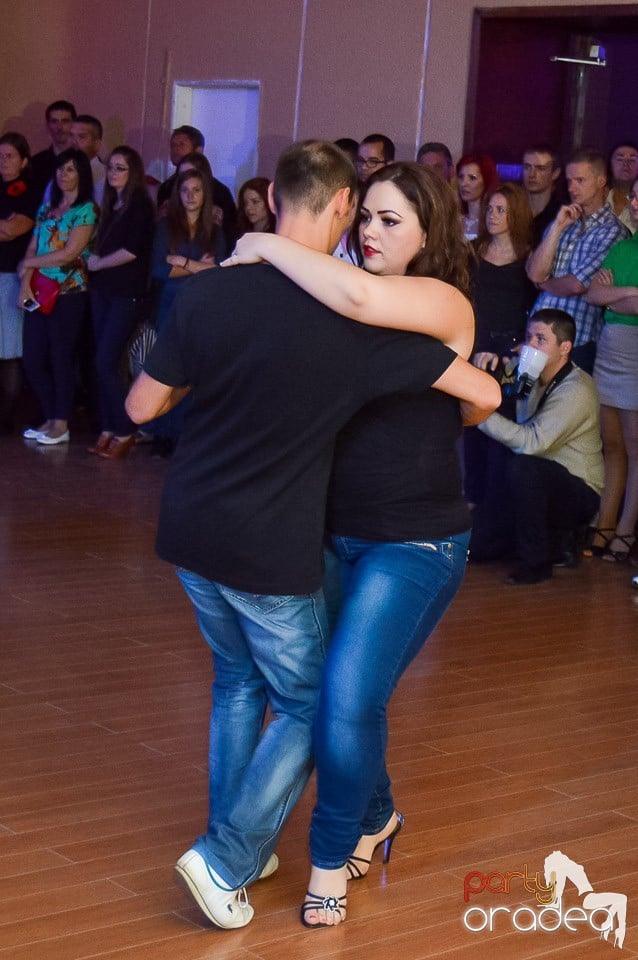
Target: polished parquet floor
x=515, y=733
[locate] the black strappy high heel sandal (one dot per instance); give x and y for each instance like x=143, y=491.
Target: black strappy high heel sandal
x=605, y=533
x=620, y=556
x=356, y=872
x=329, y=904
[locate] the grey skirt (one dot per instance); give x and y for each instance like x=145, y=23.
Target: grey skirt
x=616, y=367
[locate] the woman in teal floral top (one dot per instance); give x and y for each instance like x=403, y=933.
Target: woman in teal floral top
x=59, y=249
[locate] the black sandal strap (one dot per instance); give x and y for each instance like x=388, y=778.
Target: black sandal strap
x=329, y=904
x=355, y=872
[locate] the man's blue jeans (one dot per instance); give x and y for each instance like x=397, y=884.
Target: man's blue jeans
x=267, y=651
x=394, y=594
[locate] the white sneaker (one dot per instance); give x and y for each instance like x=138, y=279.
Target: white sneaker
x=224, y=907
x=272, y=864
x=31, y=433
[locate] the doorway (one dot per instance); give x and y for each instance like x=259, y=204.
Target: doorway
x=227, y=113
x=518, y=95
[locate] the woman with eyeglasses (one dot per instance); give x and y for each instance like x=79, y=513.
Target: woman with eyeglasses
x=119, y=280
x=59, y=249
x=615, y=287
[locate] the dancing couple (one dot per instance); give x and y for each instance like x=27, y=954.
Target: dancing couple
x=289, y=399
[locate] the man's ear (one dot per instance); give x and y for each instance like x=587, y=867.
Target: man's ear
x=566, y=348
x=344, y=205
x=271, y=198
x=555, y=174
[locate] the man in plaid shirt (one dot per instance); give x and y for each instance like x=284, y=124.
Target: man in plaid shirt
x=573, y=249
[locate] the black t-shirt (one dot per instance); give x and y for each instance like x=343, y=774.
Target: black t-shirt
x=16, y=196
x=274, y=376
x=42, y=170
x=543, y=219
x=502, y=297
x=132, y=229
x=396, y=473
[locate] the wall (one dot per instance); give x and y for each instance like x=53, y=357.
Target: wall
x=362, y=72
x=327, y=68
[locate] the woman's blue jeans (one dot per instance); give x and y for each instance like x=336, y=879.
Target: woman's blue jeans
x=394, y=594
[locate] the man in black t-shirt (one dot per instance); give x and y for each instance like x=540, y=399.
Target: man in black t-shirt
x=541, y=171
x=274, y=376
x=59, y=117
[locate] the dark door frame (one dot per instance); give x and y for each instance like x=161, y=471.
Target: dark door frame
x=597, y=17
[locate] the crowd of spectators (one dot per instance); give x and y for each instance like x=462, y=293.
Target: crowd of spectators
x=86, y=257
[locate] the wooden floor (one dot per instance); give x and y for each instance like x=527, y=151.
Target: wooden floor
x=514, y=734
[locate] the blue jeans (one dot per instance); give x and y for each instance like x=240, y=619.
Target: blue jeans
x=267, y=651
x=394, y=594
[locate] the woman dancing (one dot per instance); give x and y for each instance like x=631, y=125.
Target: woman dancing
x=397, y=519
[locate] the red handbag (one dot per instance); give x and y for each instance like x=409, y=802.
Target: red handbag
x=45, y=290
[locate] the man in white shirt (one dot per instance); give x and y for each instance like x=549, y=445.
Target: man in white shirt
x=86, y=135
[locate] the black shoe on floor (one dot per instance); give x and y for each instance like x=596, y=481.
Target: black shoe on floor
x=525, y=574
x=570, y=548
x=162, y=447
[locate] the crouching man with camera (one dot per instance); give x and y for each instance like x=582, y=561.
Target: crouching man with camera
x=553, y=482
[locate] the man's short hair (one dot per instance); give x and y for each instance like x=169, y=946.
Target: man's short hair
x=92, y=122
x=387, y=144
x=309, y=173
x=434, y=146
x=545, y=148
x=594, y=158
x=562, y=325
x=349, y=146
x=195, y=136
x=60, y=105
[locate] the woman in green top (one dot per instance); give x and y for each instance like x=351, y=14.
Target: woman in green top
x=615, y=286
x=59, y=249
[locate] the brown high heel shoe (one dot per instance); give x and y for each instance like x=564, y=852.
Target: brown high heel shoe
x=101, y=443
x=356, y=872
x=117, y=449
